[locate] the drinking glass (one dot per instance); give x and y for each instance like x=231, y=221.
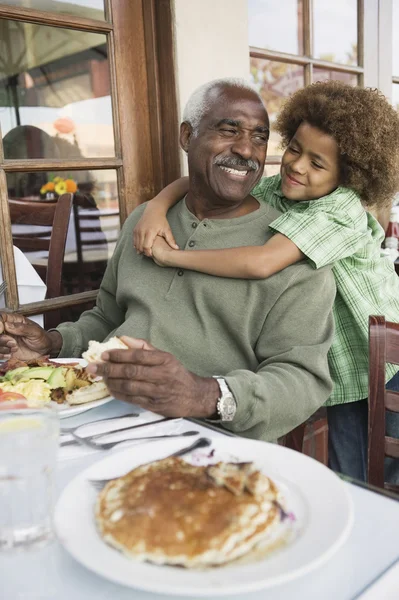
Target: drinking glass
x=28, y=452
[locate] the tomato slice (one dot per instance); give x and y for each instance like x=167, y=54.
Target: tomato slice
x=9, y=396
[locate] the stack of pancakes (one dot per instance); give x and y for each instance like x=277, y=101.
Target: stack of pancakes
x=171, y=512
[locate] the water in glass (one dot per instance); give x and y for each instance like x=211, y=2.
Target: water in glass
x=28, y=452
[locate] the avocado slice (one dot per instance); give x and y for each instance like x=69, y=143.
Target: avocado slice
x=15, y=373
x=37, y=373
x=57, y=378
x=70, y=378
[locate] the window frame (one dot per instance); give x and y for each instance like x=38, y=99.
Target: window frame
x=146, y=113
x=308, y=62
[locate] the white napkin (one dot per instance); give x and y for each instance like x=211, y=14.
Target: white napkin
x=85, y=430
x=30, y=287
x=386, y=587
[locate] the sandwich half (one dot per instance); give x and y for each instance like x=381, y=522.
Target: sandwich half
x=95, y=349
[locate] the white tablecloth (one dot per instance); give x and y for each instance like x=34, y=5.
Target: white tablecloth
x=52, y=574
x=30, y=287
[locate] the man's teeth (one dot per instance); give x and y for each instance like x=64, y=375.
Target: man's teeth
x=234, y=171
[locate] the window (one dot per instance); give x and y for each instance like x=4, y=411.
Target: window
x=81, y=111
x=296, y=42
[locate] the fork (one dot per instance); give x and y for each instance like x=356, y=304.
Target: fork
x=3, y=287
x=202, y=442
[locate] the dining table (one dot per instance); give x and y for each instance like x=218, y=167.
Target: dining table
x=366, y=566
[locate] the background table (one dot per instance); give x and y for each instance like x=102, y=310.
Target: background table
x=51, y=573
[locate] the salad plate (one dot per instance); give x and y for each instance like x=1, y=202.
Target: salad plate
x=35, y=388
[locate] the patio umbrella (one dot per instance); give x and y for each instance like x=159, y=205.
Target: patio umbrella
x=35, y=59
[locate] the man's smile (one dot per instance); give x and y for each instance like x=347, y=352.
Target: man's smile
x=236, y=172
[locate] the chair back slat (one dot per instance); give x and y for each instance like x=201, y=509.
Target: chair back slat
x=392, y=487
x=392, y=342
x=392, y=447
x=25, y=212
x=383, y=348
x=28, y=244
x=392, y=401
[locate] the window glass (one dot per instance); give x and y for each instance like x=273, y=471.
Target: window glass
x=395, y=38
x=54, y=92
x=395, y=95
x=91, y=9
x=335, y=31
x=93, y=226
x=276, y=25
x=275, y=81
x=325, y=74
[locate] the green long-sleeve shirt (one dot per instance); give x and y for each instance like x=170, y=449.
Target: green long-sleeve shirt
x=269, y=337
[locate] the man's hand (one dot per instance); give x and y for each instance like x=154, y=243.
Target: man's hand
x=157, y=381
x=22, y=338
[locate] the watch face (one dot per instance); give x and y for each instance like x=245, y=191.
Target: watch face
x=228, y=408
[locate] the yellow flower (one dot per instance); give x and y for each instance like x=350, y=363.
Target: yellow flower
x=71, y=185
x=58, y=179
x=61, y=188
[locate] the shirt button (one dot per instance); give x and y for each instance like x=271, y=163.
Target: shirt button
x=194, y=225
x=180, y=273
x=191, y=244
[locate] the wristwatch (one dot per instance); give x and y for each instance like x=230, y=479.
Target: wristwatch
x=226, y=405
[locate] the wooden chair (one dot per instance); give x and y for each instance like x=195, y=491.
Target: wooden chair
x=54, y=216
x=311, y=437
x=294, y=439
x=383, y=348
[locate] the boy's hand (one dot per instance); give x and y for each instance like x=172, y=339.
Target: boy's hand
x=162, y=253
x=153, y=223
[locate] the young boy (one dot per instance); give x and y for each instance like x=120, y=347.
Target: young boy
x=341, y=155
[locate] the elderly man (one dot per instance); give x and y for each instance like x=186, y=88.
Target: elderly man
x=251, y=355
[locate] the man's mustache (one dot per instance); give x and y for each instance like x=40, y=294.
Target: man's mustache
x=231, y=162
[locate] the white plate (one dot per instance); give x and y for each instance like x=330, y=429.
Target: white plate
x=75, y=409
x=315, y=494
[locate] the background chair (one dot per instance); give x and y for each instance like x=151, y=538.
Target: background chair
x=54, y=217
x=383, y=348
x=294, y=439
x=311, y=437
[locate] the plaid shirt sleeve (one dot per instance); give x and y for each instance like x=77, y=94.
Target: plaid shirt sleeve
x=323, y=236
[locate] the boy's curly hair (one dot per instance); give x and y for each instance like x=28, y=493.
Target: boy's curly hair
x=365, y=127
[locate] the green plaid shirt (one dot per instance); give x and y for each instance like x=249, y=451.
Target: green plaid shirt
x=337, y=230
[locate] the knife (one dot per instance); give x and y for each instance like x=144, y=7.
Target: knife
x=98, y=435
